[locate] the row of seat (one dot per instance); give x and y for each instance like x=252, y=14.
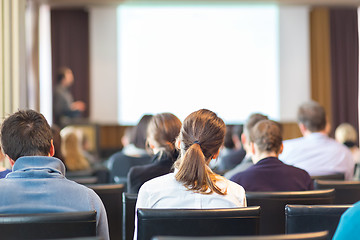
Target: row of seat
x=122, y=208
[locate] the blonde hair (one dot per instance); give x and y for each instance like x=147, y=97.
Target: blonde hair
x=345, y=132
x=74, y=159
x=200, y=138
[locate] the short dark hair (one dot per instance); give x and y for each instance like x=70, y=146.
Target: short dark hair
x=266, y=134
x=61, y=73
x=26, y=133
x=252, y=120
x=138, y=137
x=312, y=115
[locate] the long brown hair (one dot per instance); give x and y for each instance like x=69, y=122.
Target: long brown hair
x=200, y=138
x=162, y=131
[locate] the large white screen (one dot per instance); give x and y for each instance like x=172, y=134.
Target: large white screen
x=179, y=59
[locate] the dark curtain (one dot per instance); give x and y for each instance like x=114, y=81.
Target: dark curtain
x=344, y=65
x=70, y=48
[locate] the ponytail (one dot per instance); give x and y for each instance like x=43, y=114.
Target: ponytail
x=194, y=172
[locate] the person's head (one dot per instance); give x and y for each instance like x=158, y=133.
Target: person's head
x=228, y=142
x=266, y=140
x=139, y=134
x=237, y=131
x=55, y=130
x=162, y=131
x=200, y=139
x=26, y=133
x=346, y=134
x=74, y=158
x=65, y=76
x=311, y=117
x=252, y=120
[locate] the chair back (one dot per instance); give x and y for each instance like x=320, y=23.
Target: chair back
x=129, y=203
x=299, y=236
x=346, y=192
x=336, y=176
x=197, y=222
x=48, y=225
x=273, y=206
x=312, y=218
x=111, y=196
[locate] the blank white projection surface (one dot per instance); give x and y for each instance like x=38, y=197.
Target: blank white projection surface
x=179, y=59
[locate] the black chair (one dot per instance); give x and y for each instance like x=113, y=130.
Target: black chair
x=312, y=218
x=197, y=222
x=48, y=225
x=273, y=206
x=336, y=176
x=299, y=236
x=111, y=196
x=346, y=192
x=129, y=203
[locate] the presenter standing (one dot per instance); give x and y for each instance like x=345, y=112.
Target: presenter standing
x=66, y=110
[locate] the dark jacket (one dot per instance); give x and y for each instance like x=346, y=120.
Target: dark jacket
x=271, y=174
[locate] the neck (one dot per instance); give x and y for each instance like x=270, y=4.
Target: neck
x=257, y=157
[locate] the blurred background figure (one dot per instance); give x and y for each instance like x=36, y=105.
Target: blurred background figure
x=133, y=152
x=57, y=142
x=162, y=131
x=74, y=157
x=66, y=110
x=3, y=171
x=346, y=134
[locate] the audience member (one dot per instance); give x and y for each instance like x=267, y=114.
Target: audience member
x=162, y=131
x=245, y=140
x=65, y=108
x=348, y=227
x=316, y=152
x=346, y=134
x=74, y=158
x=193, y=184
x=133, y=153
x=37, y=183
x=269, y=173
x=231, y=153
x=55, y=130
x=3, y=170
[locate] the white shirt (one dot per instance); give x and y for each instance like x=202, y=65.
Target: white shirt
x=319, y=155
x=166, y=192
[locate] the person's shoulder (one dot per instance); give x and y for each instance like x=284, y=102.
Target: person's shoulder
x=293, y=141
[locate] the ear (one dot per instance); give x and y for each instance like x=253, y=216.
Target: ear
x=252, y=148
x=281, y=148
x=216, y=154
x=243, y=139
x=52, y=149
x=302, y=128
x=12, y=162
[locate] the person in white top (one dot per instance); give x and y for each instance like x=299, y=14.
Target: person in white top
x=316, y=152
x=193, y=184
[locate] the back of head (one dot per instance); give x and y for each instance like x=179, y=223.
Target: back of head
x=228, y=142
x=139, y=134
x=200, y=138
x=266, y=134
x=345, y=132
x=252, y=120
x=71, y=148
x=312, y=115
x=162, y=131
x=26, y=133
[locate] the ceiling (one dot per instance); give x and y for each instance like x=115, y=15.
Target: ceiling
x=82, y=3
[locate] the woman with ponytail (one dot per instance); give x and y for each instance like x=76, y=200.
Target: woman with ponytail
x=193, y=184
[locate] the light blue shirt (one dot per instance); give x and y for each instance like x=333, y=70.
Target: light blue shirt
x=37, y=185
x=348, y=227
x=319, y=155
